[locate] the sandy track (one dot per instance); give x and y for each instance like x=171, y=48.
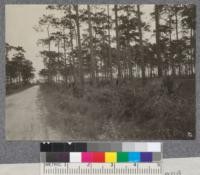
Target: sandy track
x=26, y=117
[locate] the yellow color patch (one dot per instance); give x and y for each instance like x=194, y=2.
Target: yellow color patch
x=110, y=157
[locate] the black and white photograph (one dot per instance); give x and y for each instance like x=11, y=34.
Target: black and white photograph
x=100, y=72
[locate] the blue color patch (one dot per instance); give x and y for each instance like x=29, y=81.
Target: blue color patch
x=146, y=157
x=134, y=157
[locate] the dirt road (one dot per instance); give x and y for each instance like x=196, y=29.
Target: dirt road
x=26, y=117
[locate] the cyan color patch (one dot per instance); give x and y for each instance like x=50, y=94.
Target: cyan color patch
x=134, y=157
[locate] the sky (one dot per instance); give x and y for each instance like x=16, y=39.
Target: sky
x=20, y=22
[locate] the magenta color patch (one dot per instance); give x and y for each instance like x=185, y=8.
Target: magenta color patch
x=87, y=157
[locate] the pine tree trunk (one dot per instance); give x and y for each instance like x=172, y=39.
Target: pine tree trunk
x=81, y=72
x=157, y=26
x=119, y=76
x=109, y=45
x=58, y=62
x=141, y=42
x=176, y=16
x=128, y=57
x=65, y=62
x=73, y=66
x=92, y=58
x=170, y=45
x=193, y=49
x=49, y=59
x=177, y=39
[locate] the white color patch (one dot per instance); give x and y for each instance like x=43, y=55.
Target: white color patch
x=75, y=157
x=154, y=147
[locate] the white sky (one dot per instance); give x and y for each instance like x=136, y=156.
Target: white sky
x=20, y=20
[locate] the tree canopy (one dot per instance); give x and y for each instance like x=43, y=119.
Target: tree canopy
x=91, y=43
x=19, y=70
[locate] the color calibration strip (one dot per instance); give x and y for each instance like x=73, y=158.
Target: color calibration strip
x=129, y=158
x=100, y=157
x=102, y=147
x=101, y=152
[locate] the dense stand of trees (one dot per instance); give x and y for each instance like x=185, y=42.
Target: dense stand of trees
x=91, y=43
x=19, y=70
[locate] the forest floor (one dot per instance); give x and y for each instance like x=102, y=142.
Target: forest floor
x=158, y=109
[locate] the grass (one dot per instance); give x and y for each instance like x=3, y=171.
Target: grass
x=160, y=109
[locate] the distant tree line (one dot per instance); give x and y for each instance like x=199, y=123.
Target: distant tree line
x=19, y=70
x=91, y=43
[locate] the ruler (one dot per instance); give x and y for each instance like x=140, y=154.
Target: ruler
x=101, y=169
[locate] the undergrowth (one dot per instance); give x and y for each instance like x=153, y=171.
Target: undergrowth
x=158, y=109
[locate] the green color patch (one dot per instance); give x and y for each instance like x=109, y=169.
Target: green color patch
x=122, y=157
